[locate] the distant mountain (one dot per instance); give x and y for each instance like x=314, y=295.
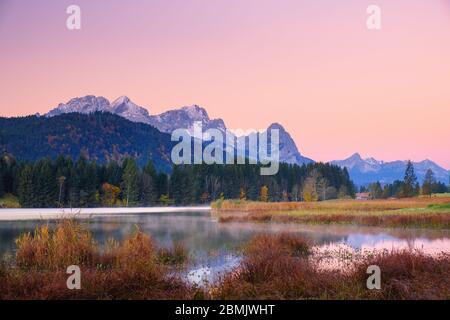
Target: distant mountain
x=364, y=171
x=170, y=120
x=104, y=131
x=288, y=149
x=99, y=136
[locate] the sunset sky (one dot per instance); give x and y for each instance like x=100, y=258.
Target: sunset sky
x=312, y=66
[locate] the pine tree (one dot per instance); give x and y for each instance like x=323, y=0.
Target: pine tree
x=181, y=184
x=149, y=169
x=74, y=188
x=428, y=183
x=162, y=185
x=188, y=192
x=26, y=187
x=113, y=174
x=80, y=193
x=92, y=185
x=147, y=188
x=375, y=190
x=2, y=184
x=175, y=185
x=45, y=184
x=2, y=176
x=295, y=192
x=410, y=181
x=130, y=182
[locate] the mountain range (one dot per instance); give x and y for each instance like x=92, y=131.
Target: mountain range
x=182, y=118
x=364, y=171
x=122, y=128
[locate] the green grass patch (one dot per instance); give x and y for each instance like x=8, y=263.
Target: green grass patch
x=445, y=206
x=441, y=195
x=9, y=201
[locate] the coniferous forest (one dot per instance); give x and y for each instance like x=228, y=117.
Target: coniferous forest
x=63, y=182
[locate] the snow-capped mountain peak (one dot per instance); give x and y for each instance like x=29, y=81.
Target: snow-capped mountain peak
x=196, y=113
x=373, y=161
x=364, y=171
x=167, y=122
x=184, y=118
x=126, y=108
x=87, y=104
x=122, y=106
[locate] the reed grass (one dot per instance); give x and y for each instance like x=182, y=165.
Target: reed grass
x=330, y=205
x=273, y=266
x=271, y=271
x=128, y=270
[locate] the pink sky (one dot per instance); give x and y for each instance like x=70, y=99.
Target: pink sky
x=312, y=66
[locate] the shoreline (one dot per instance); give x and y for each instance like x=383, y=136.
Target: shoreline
x=21, y=214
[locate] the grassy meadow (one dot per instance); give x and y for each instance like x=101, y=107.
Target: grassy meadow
x=428, y=212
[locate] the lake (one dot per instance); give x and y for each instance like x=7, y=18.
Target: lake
x=214, y=246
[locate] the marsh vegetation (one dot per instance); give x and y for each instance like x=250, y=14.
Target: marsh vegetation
x=428, y=212
x=271, y=266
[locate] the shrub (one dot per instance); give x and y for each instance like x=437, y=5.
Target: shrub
x=128, y=270
x=176, y=255
x=270, y=269
x=68, y=244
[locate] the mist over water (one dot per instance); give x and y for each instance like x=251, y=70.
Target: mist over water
x=214, y=247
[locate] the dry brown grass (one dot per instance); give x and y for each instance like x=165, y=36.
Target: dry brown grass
x=407, y=275
x=127, y=270
x=431, y=220
x=416, y=212
x=274, y=272
x=273, y=267
x=332, y=205
x=69, y=244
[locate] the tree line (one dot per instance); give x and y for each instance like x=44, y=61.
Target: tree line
x=408, y=187
x=64, y=182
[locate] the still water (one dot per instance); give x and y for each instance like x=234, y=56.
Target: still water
x=214, y=246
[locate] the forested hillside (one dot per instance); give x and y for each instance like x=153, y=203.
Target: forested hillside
x=100, y=137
